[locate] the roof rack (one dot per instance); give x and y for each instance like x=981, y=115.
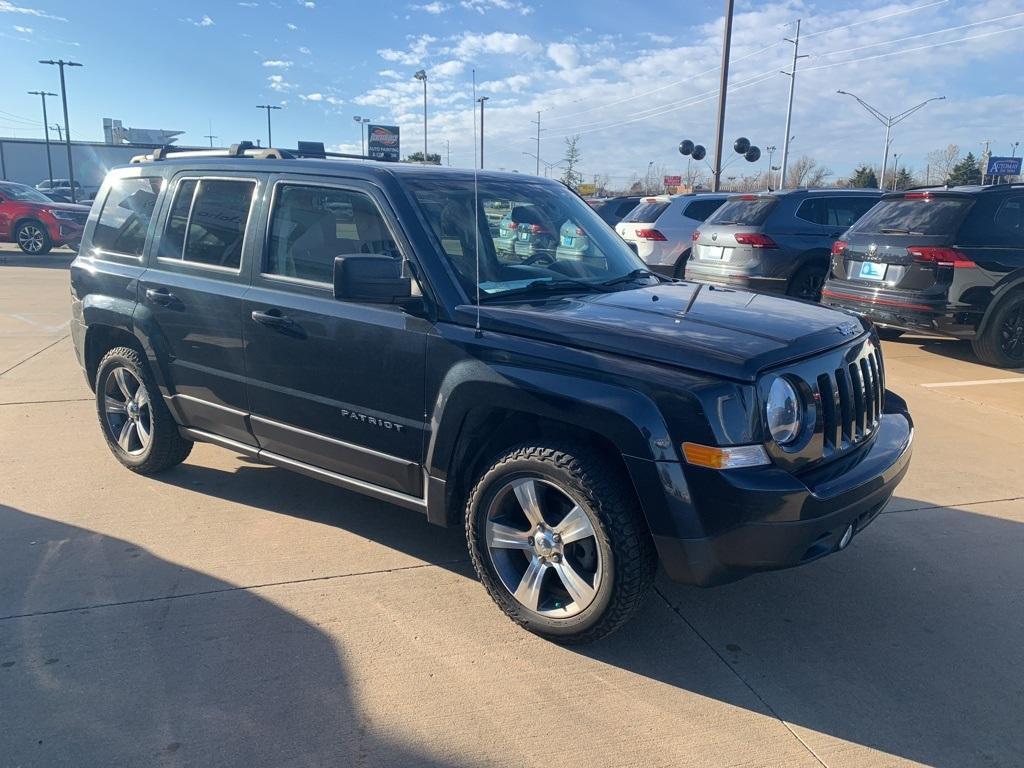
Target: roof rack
x=306, y=149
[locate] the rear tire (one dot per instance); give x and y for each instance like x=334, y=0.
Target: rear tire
x=680, y=270
x=138, y=428
x=806, y=284
x=557, y=538
x=32, y=238
x=1002, y=343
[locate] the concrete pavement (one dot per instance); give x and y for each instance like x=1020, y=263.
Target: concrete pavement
x=229, y=613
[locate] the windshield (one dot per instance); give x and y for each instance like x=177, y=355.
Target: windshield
x=23, y=194
x=914, y=216
x=748, y=211
x=535, y=237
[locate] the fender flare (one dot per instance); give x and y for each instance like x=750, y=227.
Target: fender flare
x=1009, y=283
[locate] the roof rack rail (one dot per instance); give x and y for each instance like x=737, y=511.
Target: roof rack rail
x=306, y=149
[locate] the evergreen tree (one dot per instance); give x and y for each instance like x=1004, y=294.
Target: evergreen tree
x=572, y=177
x=904, y=179
x=967, y=171
x=417, y=157
x=864, y=178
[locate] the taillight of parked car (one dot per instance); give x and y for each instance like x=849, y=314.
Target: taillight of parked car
x=650, y=234
x=942, y=257
x=755, y=240
x=838, y=247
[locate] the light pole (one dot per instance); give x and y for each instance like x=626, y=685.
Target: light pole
x=268, y=107
x=60, y=131
x=482, y=99
x=362, y=121
x=768, y=176
x=422, y=75
x=647, y=178
x=722, y=87
x=67, y=128
x=888, y=121
x=895, y=168
x=46, y=130
x=789, y=110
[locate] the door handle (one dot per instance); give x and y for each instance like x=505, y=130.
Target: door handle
x=161, y=296
x=273, y=318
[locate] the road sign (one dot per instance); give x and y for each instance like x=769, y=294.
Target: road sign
x=673, y=181
x=382, y=142
x=1003, y=166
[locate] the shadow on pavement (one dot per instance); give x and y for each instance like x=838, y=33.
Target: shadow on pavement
x=908, y=643
x=219, y=678
x=59, y=259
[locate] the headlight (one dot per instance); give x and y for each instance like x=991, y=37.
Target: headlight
x=783, y=411
x=62, y=215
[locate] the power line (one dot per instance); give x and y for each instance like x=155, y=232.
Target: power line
x=877, y=18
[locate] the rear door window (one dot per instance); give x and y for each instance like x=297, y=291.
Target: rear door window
x=748, y=211
x=699, y=210
x=647, y=212
x=843, y=212
x=208, y=221
x=812, y=210
x=936, y=216
x=124, y=220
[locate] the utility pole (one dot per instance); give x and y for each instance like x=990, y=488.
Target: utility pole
x=67, y=128
x=211, y=136
x=46, y=131
x=482, y=99
x=448, y=144
x=888, y=121
x=268, y=107
x=723, y=86
x=895, y=168
x=789, y=109
x=60, y=131
x=537, y=121
x=768, y=176
x=422, y=75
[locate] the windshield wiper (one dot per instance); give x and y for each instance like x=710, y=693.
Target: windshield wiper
x=899, y=231
x=629, y=277
x=545, y=285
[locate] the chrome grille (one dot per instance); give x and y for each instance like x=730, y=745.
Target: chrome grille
x=851, y=400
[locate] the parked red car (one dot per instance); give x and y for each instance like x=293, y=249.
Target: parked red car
x=37, y=223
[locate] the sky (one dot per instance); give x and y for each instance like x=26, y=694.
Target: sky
x=631, y=79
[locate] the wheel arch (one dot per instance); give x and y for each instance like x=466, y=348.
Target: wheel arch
x=1014, y=281
x=100, y=338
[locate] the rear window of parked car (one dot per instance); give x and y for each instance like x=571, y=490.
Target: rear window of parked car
x=124, y=219
x=646, y=213
x=915, y=216
x=748, y=211
x=699, y=210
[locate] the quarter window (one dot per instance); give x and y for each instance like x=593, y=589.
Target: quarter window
x=311, y=225
x=124, y=219
x=208, y=221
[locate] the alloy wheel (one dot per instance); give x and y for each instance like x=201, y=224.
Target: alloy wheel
x=543, y=547
x=128, y=413
x=1011, y=333
x=31, y=238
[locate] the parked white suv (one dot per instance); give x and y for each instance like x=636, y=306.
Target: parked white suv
x=660, y=229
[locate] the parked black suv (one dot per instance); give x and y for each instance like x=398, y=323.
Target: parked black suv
x=941, y=260
x=776, y=241
x=581, y=417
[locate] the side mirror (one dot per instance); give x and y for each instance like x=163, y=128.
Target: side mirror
x=371, y=278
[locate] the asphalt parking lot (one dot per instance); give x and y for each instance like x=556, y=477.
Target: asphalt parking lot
x=228, y=613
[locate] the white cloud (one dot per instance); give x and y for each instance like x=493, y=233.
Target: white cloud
x=513, y=84
x=6, y=6
x=291, y=26
x=564, y=55
x=483, y=6
x=317, y=96
x=206, y=21
x=23, y=30
x=413, y=56
x=307, y=4
x=249, y=5
x=279, y=84
x=277, y=64
x=305, y=50
x=448, y=69
x=436, y=8
x=472, y=44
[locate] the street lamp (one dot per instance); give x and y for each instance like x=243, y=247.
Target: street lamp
x=482, y=99
x=268, y=107
x=46, y=130
x=362, y=130
x=895, y=168
x=888, y=121
x=422, y=75
x=67, y=128
x=770, y=149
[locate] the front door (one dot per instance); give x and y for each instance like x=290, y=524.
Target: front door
x=336, y=385
x=191, y=300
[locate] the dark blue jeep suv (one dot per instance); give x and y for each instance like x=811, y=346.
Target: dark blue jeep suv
x=580, y=416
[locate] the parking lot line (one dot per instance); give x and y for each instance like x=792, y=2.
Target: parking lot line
x=973, y=383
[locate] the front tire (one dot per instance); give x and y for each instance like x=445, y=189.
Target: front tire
x=32, y=238
x=1002, y=343
x=138, y=428
x=557, y=538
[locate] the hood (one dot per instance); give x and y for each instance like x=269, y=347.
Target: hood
x=726, y=332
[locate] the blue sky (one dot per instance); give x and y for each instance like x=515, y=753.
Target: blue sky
x=631, y=79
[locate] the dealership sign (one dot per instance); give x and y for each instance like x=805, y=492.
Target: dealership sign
x=1003, y=166
x=382, y=143
x=673, y=181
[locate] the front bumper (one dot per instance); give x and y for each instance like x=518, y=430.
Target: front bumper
x=904, y=310
x=790, y=520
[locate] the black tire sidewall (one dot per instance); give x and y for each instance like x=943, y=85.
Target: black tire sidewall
x=490, y=484
x=800, y=276
x=988, y=346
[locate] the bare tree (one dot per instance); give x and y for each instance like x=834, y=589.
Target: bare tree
x=941, y=163
x=572, y=177
x=805, y=172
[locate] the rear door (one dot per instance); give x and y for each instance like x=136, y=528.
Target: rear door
x=337, y=385
x=191, y=300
